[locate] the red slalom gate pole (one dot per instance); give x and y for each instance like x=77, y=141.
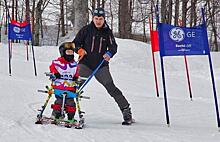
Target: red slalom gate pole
x=153, y=58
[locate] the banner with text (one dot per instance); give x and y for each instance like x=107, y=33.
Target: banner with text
x=178, y=41
x=19, y=31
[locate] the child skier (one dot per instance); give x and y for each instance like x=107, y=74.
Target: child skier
x=65, y=72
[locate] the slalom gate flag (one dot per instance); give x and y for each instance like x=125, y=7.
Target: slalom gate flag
x=19, y=31
x=154, y=40
x=178, y=41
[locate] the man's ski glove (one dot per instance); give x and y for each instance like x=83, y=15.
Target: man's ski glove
x=55, y=76
x=107, y=56
x=81, y=52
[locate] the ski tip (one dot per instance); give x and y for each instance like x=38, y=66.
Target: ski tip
x=38, y=122
x=78, y=127
x=68, y=126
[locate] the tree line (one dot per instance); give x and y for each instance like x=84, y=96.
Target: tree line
x=127, y=18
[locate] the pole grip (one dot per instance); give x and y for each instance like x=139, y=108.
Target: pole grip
x=48, y=73
x=85, y=97
x=42, y=91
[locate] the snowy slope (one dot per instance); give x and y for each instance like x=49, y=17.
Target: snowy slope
x=191, y=121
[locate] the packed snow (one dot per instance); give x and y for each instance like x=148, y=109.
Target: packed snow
x=132, y=71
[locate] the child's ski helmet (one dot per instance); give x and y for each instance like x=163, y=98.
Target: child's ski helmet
x=66, y=46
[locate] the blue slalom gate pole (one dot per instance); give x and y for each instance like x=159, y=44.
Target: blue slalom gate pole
x=90, y=77
x=32, y=47
x=164, y=92
x=9, y=56
x=214, y=91
x=212, y=74
x=162, y=68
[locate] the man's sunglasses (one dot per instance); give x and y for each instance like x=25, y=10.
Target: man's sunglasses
x=98, y=12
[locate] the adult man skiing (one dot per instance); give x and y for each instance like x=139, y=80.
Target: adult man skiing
x=94, y=42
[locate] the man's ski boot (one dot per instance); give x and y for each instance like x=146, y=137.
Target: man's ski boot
x=127, y=116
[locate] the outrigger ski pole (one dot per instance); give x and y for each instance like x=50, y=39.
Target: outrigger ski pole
x=80, y=113
x=50, y=92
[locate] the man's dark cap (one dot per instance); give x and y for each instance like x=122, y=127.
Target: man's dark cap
x=99, y=12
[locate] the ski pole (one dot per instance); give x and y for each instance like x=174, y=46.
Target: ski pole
x=50, y=92
x=78, y=108
x=80, y=113
x=90, y=77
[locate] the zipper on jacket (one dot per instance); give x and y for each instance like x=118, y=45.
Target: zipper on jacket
x=110, y=38
x=93, y=42
x=100, y=45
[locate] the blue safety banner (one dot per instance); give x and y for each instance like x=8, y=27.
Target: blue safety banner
x=19, y=31
x=179, y=41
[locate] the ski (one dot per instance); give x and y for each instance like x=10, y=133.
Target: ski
x=62, y=123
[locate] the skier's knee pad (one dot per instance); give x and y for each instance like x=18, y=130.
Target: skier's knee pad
x=56, y=106
x=70, y=109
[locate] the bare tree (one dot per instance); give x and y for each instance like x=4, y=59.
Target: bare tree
x=72, y=13
x=62, y=19
x=184, y=12
x=66, y=6
x=81, y=14
x=93, y=5
x=33, y=17
x=211, y=11
x=16, y=10
x=143, y=18
x=6, y=19
x=193, y=13
x=176, y=18
x=37, y=23
x=41, y=5
x=124, y=19
x=169, y=17
x=163, y=11
x=103, y=3
x=111, y=14
x=98, y=3
x=58, y=33
x=13, y=10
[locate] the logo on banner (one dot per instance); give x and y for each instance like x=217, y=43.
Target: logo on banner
x=177, y=34
x=176, y=41
x=16, y=29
